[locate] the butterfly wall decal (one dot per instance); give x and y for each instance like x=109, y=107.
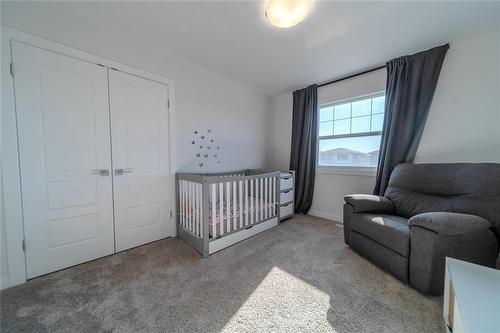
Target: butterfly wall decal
x=203, y=151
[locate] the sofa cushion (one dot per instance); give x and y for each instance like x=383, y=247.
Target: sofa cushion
x=467, y=188
x=388, y=230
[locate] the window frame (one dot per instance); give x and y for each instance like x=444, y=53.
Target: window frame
x=346, y=169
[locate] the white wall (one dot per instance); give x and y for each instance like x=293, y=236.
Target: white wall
x=282, y=104
x=464, y=120
x=463, y=123
x=4, y=270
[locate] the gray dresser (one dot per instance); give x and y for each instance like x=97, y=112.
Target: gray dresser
x=287, y=193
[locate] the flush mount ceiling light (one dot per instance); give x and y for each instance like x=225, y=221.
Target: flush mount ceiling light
x=287, y=13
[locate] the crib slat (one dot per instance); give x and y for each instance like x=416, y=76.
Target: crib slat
x=181, y=203
x=271, y=205
x=246, y=202
x=186, y=203
x=274, y=196
x=197, y=200
x=191, y=199
x=228, y=206
x=221, y=208
x=252, y=202
x=188, y=214
x=214, y=209
x=184, y=194
x=271, y=196
x=195, y=194
x=201, y=211
x=200, y=207
x=240, y=187
x=234, y=206
x=266, y=193
x=261, y=187
x=181, y=193
x=199, y=224
x=257, y=203
x=195, y=208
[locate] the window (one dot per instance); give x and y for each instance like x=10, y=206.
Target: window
x=350, y=132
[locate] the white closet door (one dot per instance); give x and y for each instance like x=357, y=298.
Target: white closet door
x=63, y=130
x=139, y=135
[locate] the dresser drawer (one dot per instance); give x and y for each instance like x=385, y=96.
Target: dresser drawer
x=286, y=196
x=286, y=183
x=286, y=210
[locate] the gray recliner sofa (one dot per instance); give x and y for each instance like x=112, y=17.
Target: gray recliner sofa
x=428, y=212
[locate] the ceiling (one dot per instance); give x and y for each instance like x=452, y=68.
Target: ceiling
x=234, y=39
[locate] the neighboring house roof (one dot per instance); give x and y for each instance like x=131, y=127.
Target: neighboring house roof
x=343, y=150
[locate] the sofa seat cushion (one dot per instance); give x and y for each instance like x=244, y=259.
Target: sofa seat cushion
x=388, y=230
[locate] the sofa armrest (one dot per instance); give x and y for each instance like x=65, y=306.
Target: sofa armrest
x=447, y=223
x=364, y=203
x=437, y=235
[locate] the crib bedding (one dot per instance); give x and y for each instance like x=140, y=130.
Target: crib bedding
x=254, y=206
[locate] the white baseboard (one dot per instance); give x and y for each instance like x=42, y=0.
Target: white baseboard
x=327, y=215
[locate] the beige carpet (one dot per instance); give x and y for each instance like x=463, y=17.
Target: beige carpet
x=297, y=277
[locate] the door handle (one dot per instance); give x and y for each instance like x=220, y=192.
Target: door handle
x=100, y=172
x=120, y=172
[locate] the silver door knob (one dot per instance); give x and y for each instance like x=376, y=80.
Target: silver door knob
x=100, y=172
x=120, y=172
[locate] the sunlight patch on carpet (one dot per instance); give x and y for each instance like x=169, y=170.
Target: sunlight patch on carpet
x=282, y=302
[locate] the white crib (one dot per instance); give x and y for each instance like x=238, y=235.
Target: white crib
x=217, y=210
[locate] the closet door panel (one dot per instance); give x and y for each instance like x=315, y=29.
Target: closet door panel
x=63, y=130
x=140, y=141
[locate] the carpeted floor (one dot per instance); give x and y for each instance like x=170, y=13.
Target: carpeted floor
x=299, y=276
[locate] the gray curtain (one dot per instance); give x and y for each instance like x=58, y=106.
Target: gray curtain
x=411, y=82
x=304, y=139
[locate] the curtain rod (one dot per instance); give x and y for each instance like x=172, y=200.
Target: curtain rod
x=351, y=76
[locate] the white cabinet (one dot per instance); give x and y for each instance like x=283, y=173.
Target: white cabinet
x=287, y=193
x=66, y=138
x=471, y=297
